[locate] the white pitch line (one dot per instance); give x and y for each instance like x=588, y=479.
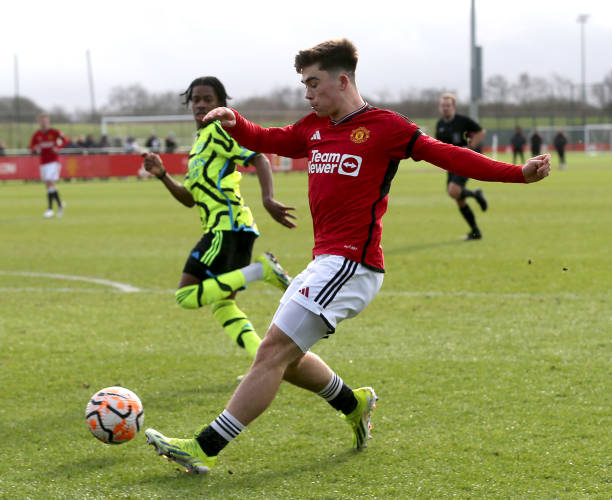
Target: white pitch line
x=517, y=295
x=127, y=288
x=123, y=287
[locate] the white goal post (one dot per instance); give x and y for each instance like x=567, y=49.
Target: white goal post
x=597, y=138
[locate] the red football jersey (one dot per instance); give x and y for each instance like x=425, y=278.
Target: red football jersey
x=49, y=142
x=350, y=167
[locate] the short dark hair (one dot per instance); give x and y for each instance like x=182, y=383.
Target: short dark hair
x=211, y=81
x=338, y=54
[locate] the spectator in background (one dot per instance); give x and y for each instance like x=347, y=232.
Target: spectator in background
x=153, y=143
x=69, y=143
x=80, y=143
x=47, y=142
x=131, y=146
x=536, y=143
x=560, y=141
x=518, y=142
x=170, y=143
x=2, y=152
x=104, y=142
x=90, y=142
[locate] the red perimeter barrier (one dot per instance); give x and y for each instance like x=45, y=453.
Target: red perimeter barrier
x=115, y=165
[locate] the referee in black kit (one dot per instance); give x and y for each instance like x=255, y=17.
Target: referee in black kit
x=461, y=131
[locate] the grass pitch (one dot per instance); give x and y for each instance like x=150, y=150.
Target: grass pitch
x=492, y=359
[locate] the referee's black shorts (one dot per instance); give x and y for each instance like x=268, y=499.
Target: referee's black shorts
x=219, y=252
x=457, y=179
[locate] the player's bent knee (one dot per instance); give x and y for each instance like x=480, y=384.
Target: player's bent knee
x=189, y=297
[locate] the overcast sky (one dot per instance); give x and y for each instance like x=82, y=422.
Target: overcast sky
x=250, y=45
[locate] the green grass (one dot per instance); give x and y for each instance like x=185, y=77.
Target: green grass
x=492, y=359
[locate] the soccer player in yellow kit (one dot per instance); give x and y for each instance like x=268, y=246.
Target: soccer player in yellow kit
x=212, y=184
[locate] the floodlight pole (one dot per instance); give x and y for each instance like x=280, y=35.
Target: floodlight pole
x=582, y=19
x=475, y=66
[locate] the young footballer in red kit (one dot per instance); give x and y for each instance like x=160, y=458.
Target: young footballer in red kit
x=353, y=152
x=47, y=142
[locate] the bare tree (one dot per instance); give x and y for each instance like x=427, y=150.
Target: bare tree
x=497, y=89
x=561, y=87
x=135, y=99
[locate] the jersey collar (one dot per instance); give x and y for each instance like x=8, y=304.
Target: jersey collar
x=351, y=115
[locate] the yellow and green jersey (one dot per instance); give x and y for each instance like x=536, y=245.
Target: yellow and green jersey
x=214, y=182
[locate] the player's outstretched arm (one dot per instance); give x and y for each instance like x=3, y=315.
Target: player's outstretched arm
x=225, y=115
x=537, y=168
x=279, y=212
x=154, y=165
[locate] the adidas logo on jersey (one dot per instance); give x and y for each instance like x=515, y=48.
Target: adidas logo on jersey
x=316, y=136
x=304, y=291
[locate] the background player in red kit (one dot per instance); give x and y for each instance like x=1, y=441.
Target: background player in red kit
x=354, y=151
x=47, y=142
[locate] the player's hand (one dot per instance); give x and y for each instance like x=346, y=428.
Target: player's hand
x=537, y=168
x=225, y=115
x=279, y=212
x=153, y=164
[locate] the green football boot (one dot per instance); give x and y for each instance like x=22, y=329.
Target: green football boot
x=185, y=452
x=273, y=272
x=359, y=418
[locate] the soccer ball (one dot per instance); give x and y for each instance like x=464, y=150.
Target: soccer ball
x=114, y=415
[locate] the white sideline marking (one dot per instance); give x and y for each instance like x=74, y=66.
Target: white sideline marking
x=123, y=287
x=127, y=288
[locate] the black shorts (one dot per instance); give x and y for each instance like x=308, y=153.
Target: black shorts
x=457, y=179
x=219, y=252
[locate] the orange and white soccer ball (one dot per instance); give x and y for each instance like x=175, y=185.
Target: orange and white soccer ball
x=114, y=415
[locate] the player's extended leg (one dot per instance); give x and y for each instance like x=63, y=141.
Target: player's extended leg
x=278, y=358
x=252, y=397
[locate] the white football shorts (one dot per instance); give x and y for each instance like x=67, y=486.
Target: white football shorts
x=331, y=289
x=49, y=172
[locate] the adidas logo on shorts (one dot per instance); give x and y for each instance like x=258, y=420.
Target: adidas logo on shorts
x=304, y=291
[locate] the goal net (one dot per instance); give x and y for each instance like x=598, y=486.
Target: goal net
x=592, y=139
x=139, y=128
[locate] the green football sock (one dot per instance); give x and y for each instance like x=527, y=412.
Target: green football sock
x=210, y=290
x=236, y=325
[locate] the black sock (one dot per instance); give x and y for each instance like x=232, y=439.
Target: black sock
x=466, y=193
x=219, y=433
x=469, y=217
x=57, y=198
x=345, y=401
x=50, y=200
x=339, y=395
x=211, y=441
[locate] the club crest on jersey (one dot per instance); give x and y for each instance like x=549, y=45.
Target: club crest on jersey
x=360, y=135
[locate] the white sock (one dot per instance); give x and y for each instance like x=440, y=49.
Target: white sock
x=332, y=389
x=227, y=426
x=253, y=272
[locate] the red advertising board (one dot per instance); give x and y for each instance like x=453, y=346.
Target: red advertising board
x=113, y=165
